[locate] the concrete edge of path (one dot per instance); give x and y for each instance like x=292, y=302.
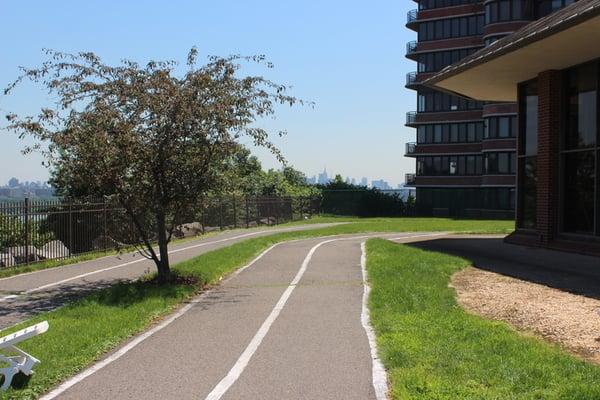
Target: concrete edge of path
x=380, y=379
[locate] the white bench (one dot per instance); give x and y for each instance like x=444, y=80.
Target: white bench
x=20, y=361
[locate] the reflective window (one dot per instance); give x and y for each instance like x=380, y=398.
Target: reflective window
x=446, y=28
x=507, y=10
x=434, y=62
x=545, y=7
x=527, y=202
x=440, y=102
x=501, y=127
x=500, y=163
x=463, y=132
x=582, y=107
x=579, y=188
x=580, y=184
x=461, y=165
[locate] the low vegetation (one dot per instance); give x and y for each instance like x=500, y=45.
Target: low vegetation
x=435, y=350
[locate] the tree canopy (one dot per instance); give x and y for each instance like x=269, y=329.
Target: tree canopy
x=151, y=139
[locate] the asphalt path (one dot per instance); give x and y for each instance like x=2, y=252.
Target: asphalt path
x=25, y=295
x=293, y=324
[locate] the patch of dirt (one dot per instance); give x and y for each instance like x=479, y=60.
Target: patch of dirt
x=564, y=318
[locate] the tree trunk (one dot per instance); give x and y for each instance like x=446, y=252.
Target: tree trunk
x=164, y=269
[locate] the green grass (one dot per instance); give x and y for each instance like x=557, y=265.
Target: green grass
x=82, y=332
x=356, y=225
x=435, y=350
x=359, y=225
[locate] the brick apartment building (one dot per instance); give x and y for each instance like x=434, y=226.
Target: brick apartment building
x=465, y=149
x=551, y=68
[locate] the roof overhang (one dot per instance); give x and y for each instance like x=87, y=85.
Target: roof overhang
x=493, y=75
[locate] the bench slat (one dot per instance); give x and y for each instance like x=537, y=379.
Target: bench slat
x=23, y=334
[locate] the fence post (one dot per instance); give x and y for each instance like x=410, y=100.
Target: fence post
x=247, y=214
x=235, y=225
x=105, y=223
x=221, y=213
x=257, y=211
x=27, y=230
x=70, y=227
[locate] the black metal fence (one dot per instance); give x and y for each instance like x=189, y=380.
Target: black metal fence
x=36, y=230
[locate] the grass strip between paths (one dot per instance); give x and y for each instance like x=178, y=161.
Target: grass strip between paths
x=433, y=349
x=389, y=224
x=83, y=331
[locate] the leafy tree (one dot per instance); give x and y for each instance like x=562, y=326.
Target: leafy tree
x=245, y=177
x=146, y=137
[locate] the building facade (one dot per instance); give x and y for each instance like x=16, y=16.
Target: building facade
x=465, y=150
x=552, y=68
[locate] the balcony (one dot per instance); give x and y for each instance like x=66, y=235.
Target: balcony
x=410, y=179
x=411, y=148
x=411, y=79
x=411, y=18
x=411, y=48
x=411, y=118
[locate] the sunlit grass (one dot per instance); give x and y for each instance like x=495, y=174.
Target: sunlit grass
x=435, y=350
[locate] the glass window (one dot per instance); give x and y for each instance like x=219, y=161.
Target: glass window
x=504, y=10
x=528, y=193
x=438, y=134
x=579, y=187
x=453, y=165
x=527, y=201
x=582, y=107
x=530, y=115
x=454, y=133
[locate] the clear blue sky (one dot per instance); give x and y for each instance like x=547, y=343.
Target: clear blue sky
x=347, y=56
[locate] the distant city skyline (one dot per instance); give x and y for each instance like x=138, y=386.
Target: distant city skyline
x=324, y=177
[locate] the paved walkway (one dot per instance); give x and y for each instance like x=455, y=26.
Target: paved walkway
x=290, y=326
x=23, y=296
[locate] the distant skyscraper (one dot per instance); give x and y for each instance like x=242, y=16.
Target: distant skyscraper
x=364, y=182
x=381, y=185
x=323, y=178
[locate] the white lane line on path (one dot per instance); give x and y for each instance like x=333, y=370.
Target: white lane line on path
x=380, y=383
x=237, y=369
x=52, y=284
x=139, y=339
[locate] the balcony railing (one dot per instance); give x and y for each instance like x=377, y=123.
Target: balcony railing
x=411, y=78
x=411, y=117
x=410, y=179
x=411, y=47
x=411, y=16
x=411, y=148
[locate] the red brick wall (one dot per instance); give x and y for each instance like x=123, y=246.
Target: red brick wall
x=447, y=44
x=549, y=94
x=500, y=108
x=446, y=12
x=449, y=116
